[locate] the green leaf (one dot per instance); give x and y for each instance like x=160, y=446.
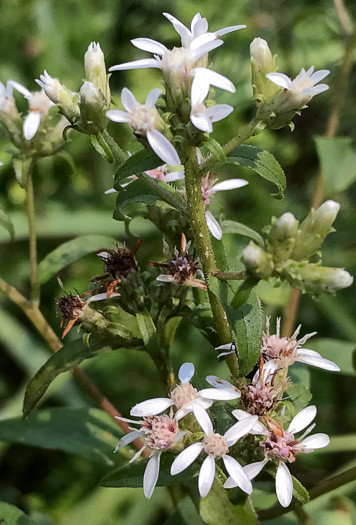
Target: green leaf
x=69, y=252
x=140, y=161
x=338, y=163
x=147, y=330
x=100, y=145
x=87, y=432
x=131, y=475
x=185, y=513
x=21, y=167
x=6, y=222
x=300, y=396
x=262, y=162
x=299, y=492
x=10, y=515
x=65, y=358
x=335, y=350
x=242, y=229
x=215, y=148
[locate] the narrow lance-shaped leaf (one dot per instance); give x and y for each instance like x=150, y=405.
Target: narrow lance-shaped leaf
x=242, y=229
x=142, y=160
x=262, y=162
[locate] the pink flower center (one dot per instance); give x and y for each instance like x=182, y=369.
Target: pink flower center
x=207, y=184
x=280, y=447
x=159, y=431
x=158, y=173
x=183, y=394
x=215, y=445
x=258, y=400
x=275, y=347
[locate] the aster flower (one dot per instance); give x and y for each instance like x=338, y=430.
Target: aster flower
x=185, y=398
x=303, y=87
x=159, y=433
x=216, y=447
x=286, y=350
x=281, y=447
x=144, y=120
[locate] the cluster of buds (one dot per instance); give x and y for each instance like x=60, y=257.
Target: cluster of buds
x=278, y=97
x=85, y=110
x=39, y=134
x=289, y=247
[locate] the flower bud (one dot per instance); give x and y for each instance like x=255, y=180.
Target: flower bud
x=313, y=278
x=257, y=261
x=282, y=236
x=262, y=62
x=61, y=96
x=95, y=70
x=92, y=108
x=314, y=229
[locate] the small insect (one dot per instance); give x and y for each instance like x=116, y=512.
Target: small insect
x=230, y=347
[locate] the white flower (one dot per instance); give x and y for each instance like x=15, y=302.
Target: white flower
x=159, y=433
x=5, y=93
x=143, y=118
x=199, y=27
x=282, y=447
x=303, y=87
x=216, y=447
x=201, y=116
x=286, y=350
x=185, y=397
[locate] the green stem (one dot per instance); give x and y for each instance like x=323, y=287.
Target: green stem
x=30, y=208
x=119, y=155
x=202, y=239
x=231, y=276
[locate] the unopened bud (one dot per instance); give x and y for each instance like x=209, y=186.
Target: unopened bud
x=92, y=108
x=262, y=62
x=313, y=278
x=61, y=96
x=282, y=236
x=95, y=70
x=257, y=261
x=314, y=229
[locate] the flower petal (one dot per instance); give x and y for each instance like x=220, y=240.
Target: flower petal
x=203, y=418
x=238, y=475
x=253, y=469
x=200, y=121
x=129, y=101
x=319, y=75
x=258, y=428
x=229, y=29
x=214, y=79
x=230, y=184
x=206, y=476
x=219, y=394
x=280, y=79
x=240, y=429
x=186, y=458
x=152, y=98
x=199, y=26
x=101, y=297
x=200, y=88
x=320, y=362
x=137, y=64
x=205, y=48
x=213, y=225
x=151, y=407
x=315, y=441
x=218, y=112
x=163, y=148
x=31, y=124
x=20, y=88
x=165, y=278
x=117, y=115
x=181, y=29
x=147, y=44
x=302, y=419
x=284, y=485
x=217, y=382
x=126, y=439
x=150, y=476
x=186, y=372
x=173, y=176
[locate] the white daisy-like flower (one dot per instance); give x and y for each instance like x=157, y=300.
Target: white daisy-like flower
x=303, y=87
x=201, y=116
x=215, y=447
x=185, y=398
x=144, y=118
x=287, y=350
x=159, y=434
x=199, y=27
x=282, y=447
x=39, y=106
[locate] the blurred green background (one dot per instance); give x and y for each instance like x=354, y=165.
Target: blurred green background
x=52, y=486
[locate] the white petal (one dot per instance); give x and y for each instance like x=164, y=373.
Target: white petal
x=150, y=476
x=199, y=25
x=126, y=439
x=201, y=122
x=258, y=428
x=223, y=347
x=182, y=31
x=230, y=184
x=318, y=361
x=229, y=29
x=280, y=79
x=137, y=64
x=284, y=485
x=240, y=429
x=163, y=148
x=165, y=278
x=253, y=469
x=20, y=88
x=116, y=115
x=206, y=48
x=238, y=475
x=173, y=176
x=101, y=297
x=206, y=476
x=152, y=98
x=315, y=441
x=230, y=483
x=203, y=418
x=225, y=353
x=186, y=372
x=215, y=79
x=303, y=419
x=199, y=89
x=111, y=190
x=217, y=382
x=31, y=124
x=152, y=46
x=129, y=101
x=213, y=225
x=319, y=75
x=186, y=458
x=320, y=89
x=218, y=112
x=151, y=407
x=219, y=394
x=201, y=40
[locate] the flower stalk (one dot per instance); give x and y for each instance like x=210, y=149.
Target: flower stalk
x=31, y=217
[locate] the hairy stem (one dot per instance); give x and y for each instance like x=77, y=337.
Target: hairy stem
x=37, y=319
x=231, y=276
x=30, y=209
